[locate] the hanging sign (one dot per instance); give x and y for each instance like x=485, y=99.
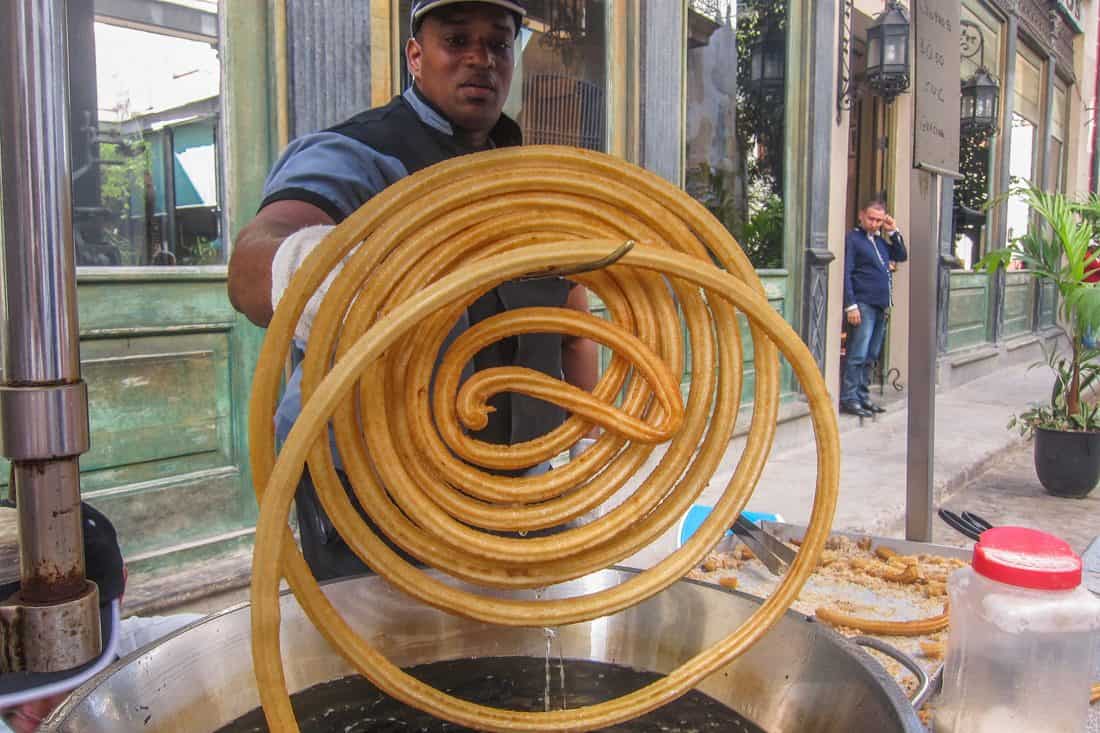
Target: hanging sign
x=936, y=86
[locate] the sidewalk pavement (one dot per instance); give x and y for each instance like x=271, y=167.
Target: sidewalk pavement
x=970, y=434
x=1009, y=493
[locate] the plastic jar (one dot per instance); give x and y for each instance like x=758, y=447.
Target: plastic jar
x=1023, y=635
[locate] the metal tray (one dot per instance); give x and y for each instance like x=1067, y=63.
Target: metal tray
x=753, y=578
x=823, y=590
x=789, y=532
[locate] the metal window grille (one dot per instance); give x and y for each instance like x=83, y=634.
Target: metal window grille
x=562, y=110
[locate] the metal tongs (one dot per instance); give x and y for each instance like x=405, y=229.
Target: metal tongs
x=967, y=523
x=769, y=549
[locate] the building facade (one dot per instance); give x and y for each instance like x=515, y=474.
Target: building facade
x=760, y=110
x=1042, y=56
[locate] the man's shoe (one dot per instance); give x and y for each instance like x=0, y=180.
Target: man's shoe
x=854, y=408
x=872, y=407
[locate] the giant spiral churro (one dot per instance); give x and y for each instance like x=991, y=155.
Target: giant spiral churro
x=414, y=257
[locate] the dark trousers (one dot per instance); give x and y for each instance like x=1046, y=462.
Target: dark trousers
x=326, y=553
x=863, y=348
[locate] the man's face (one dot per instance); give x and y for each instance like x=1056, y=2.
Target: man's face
x=872, y=218
x=462, y=61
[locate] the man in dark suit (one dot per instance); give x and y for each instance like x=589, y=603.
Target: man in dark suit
x=868, y=285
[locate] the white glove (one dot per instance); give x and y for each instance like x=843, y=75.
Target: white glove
x=288, y=258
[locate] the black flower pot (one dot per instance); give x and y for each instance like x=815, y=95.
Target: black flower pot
x=1067, y=461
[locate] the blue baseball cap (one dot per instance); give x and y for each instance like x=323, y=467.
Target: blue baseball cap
x=420, y=8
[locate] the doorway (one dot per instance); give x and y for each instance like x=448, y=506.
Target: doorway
x=868, y=146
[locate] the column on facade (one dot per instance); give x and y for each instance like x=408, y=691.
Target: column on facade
x=1000, y=235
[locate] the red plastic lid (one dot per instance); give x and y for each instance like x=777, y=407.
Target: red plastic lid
x=1027, y=558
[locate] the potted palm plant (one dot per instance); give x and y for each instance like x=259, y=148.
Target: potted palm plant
x=1060, y=250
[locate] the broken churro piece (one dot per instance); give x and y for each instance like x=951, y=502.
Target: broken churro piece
x=918, y=627
x=885, y=553
x=935, y=589
x=910, y=574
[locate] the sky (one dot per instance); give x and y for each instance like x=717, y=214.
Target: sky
x=140, y=72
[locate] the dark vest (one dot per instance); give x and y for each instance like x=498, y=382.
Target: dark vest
x=396, y=130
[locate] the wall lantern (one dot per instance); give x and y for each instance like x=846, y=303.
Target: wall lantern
x=979, y=103
x=980, y=93
x=888, y=52
x=768, y=59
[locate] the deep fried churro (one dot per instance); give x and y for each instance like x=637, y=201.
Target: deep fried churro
x=918, y=627
x=412, y=259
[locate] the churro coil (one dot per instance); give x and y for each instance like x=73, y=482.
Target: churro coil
x=414, y=257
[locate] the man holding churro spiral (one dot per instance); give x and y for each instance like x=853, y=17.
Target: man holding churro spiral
x=461, y=58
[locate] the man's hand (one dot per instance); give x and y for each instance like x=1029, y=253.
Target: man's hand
x=254, y=250
x=854, y=317
x=888, y=225
x=291, y=254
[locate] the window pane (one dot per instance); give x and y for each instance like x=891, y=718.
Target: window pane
x=559, y=91
x=1057, y=163
x=1022, y=172
x=1028, y=89
x=981, y=44
x=735, y=123
x=1058, y=121
x=972, y=193
x=1022, y=168
x=146, y=178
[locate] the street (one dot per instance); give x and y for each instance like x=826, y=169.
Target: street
x=1008, y=492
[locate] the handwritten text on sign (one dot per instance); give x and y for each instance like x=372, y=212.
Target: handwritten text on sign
x=936, y=85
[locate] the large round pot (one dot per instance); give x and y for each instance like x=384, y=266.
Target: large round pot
x=1067, y=461
x=802, y=676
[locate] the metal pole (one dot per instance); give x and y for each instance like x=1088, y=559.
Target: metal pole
x=817, y=256
x=43, y=402
x=40, y=343
x=924, y=263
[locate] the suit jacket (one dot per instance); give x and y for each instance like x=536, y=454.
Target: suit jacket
x=867, y=272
